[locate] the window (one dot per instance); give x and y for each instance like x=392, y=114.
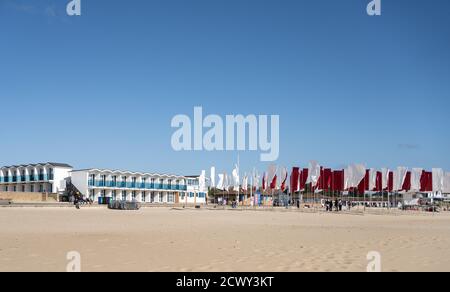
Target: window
x=133, y=195
x=92, y=180
x=143, y=197
x=124, y=195
x=31, y=189
x=41, y=188
x=103, y=193
x=152, y=197
x=23, y=189
x=50, y=173
x=41, y=174
x=91, y=195
x=171, y=198
x=15, y=189
x=23, y=176
x=160, y=199
x=114, y=195
x=103, y=180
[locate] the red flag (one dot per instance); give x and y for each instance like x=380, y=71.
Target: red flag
x=303, y=178
x=391, y=182
x=264, y=181
x=407, y=184
x=327, y=178
x=284, y=175
x=426, y=182
x=295, y=179
x=379, y=183
x=364, y=184
x=273, y=184
x=338, y=181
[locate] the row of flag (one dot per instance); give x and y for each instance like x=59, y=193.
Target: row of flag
x=355, y=177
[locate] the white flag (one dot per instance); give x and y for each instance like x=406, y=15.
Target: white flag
x=313, y=173
x=353, y=175
x=221, y=184
x=438, y=179
x=229, y=182
x=283, y=179
x=271, y=173
x=416, y=174
x=236, y=179
x=399, y=178
x=359, y=173
x=202, y=182
x=256, y=179
x=213, y=177
x=384, y=178
x=446, y=188
x=245, y=182
x=373, y=179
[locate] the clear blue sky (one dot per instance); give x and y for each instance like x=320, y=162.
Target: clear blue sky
x=100, y=90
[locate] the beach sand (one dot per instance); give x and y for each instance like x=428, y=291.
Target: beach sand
x=163, y=239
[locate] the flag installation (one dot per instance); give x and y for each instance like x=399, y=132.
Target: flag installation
x=357, y=177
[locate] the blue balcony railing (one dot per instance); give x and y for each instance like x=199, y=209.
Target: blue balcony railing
x=131, y=185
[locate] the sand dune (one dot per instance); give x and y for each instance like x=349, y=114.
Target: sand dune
x=162, y=239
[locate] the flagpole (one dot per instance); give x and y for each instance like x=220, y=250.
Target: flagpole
x=251, y=190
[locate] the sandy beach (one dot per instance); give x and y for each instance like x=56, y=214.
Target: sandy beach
x=164, y=239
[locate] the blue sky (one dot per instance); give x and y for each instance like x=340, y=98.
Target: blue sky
x=100, y=90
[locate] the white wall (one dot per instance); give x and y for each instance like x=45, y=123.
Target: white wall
x=80, y=181
x=59, y=179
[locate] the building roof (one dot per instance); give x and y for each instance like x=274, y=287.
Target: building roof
x=54, y=164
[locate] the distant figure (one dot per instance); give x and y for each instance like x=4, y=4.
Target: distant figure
x=340, y=205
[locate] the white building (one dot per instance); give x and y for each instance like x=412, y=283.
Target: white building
x=41, y=178
x=193, y=193
x=100, y=184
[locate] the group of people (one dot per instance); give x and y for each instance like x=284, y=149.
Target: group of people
x=79, y=200
x=335, y=205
